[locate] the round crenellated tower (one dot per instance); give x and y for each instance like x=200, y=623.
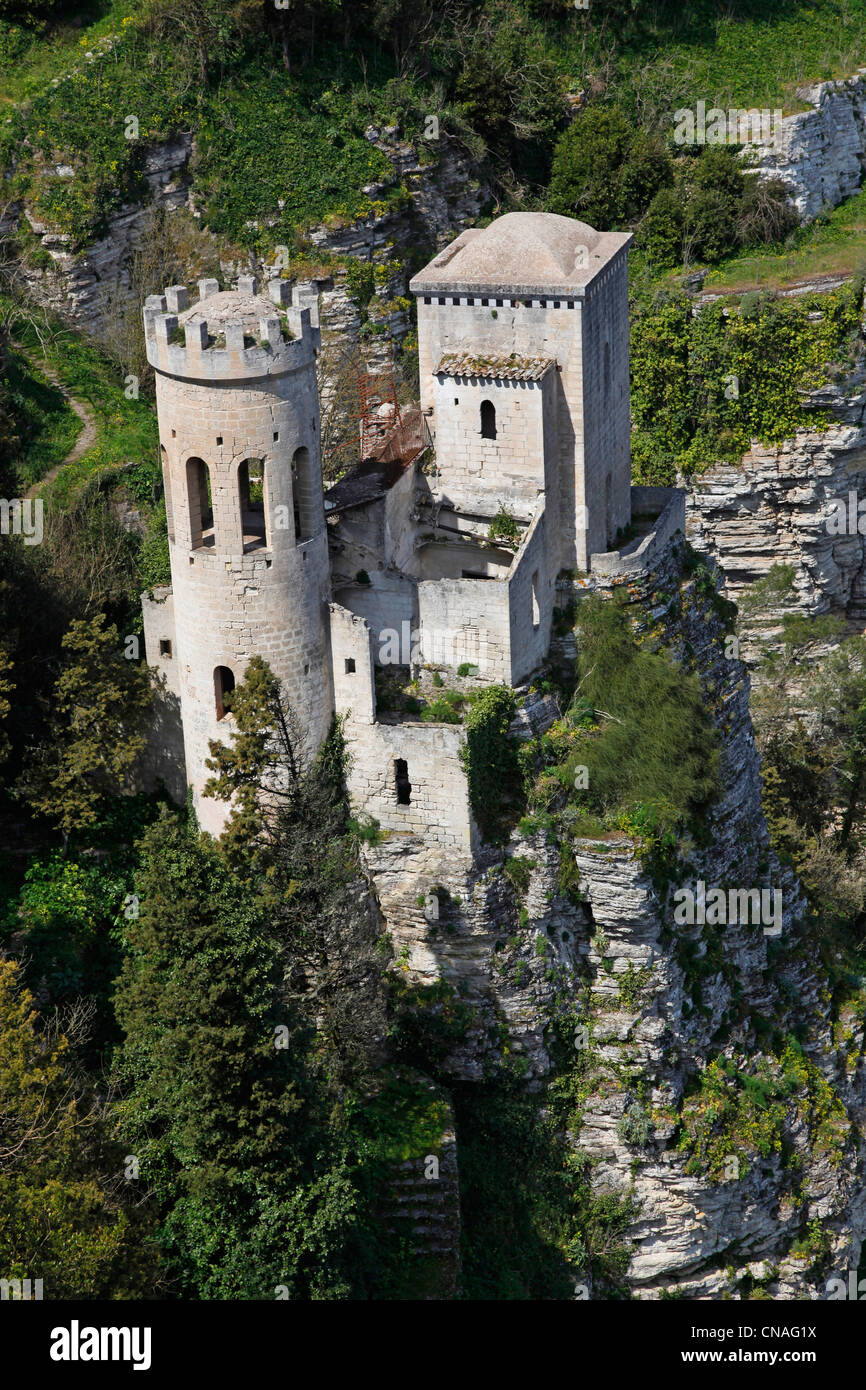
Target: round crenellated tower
x=238, y=410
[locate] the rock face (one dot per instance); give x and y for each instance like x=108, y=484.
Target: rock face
x=661, y=1003
x=79, y=285
x=442, y=196
x=776, y=507
x=820, y=154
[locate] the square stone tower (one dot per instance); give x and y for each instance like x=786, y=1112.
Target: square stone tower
x=523, y=351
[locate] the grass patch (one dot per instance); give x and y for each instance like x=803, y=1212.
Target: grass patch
x=46, y=425
x=831, y=245
x=126, y=429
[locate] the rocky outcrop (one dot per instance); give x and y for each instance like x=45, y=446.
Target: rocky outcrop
x=776, y=506
x=440, y=196
x=820, y=153
x=83, y=286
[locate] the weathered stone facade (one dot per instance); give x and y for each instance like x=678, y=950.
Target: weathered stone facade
x=532, y=289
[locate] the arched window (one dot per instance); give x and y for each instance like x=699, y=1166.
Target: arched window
x=166, y=484
x=303, y=495
x=201, y=528
x=223, y=685
x=488, y=420
x=251, y=494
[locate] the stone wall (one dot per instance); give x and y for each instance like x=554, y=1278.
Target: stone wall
x=438, y=809
x=480, y=475
x=667, y=508
x=164, y=760
x=531, y=599
x=588, y=339
x=501, y=625
x=606, y=485
x=466, y=620
x=238, y=594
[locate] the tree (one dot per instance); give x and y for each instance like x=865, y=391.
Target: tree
x=606, y=170
x=98, y=709
x=65, y=1211
x=209, y=28
x=289, y=830
x=221, y=1106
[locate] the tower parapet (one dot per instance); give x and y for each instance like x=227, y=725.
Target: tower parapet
x=230, y=336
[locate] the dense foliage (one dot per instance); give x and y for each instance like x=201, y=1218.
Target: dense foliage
x=705, y=385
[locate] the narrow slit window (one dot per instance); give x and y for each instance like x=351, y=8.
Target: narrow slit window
x=402, y=785
x=536, y=606
x=223, y=685
x=166, y=485
x=488, y=420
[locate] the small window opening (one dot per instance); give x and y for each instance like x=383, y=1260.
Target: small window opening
x=488, y=420
x=164, y=647
x=401, y=782
x=536, y=606
x=223, y=685
x=219, y=439
x=350, y=666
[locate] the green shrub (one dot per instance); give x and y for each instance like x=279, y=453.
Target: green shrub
x=656, y=749
x=439, y=712
x=503, y=527
x=488, y=755
x=704, y=386
x=518, y=868
x=606, y=169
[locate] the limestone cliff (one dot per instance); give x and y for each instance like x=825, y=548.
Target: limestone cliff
x=684, y=1025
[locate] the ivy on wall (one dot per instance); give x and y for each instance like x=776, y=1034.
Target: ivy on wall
x=705, y=385
x=488, y=755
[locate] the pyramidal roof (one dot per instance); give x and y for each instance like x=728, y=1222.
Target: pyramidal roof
x=520, y=253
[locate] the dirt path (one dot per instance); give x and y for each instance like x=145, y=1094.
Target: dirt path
x=86, y=438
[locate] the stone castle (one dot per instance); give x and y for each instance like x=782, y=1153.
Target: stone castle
x=523, y=418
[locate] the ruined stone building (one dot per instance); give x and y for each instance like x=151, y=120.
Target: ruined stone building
x=446, y=543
